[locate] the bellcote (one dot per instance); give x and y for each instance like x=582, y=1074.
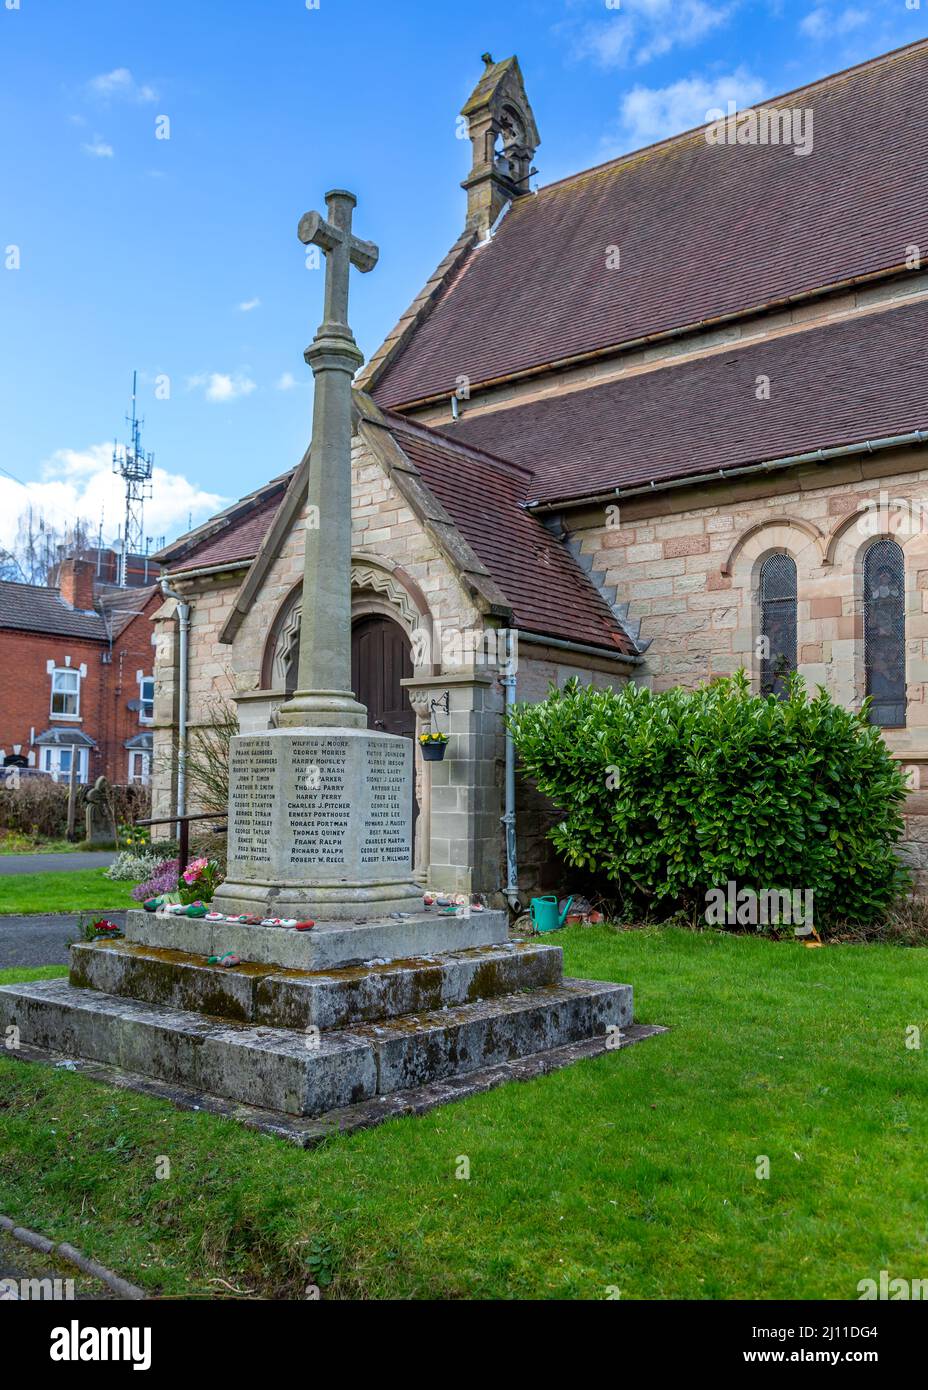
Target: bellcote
x=504, y=139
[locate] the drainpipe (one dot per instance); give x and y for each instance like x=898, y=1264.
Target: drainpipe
x=508, y=682
x=183, y=614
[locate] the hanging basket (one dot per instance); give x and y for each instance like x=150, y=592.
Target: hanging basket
x=434, y=752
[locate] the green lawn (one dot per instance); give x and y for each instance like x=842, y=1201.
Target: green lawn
x=86, y=890
x=12, y=843
x=636, y=1170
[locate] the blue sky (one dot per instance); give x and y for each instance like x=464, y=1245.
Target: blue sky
x=179, y=256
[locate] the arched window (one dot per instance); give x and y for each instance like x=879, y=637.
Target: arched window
x=884, y=633
x=777, y=623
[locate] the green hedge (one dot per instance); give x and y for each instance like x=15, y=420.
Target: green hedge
x=670, y=795
x=39, y=807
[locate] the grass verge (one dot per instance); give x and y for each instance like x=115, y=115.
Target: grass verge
x=73, y=890
x=11, y=842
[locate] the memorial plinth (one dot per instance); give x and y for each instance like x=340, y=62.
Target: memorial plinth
x=320, y=825
x=380, y=1008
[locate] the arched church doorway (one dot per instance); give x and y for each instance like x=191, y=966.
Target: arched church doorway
x=380, y=659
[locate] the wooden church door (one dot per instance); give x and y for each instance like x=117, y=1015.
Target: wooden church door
x=380, y=659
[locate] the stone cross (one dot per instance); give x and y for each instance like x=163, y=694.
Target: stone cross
x=323, y=695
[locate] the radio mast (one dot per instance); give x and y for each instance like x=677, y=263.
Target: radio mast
x=135, y=467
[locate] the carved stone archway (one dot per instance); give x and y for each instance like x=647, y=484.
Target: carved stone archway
x=378, y=586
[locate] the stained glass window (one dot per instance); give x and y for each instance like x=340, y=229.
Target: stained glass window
x=777, y=623
x=884, y=632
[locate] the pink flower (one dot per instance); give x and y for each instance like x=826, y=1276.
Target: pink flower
x=194, y=869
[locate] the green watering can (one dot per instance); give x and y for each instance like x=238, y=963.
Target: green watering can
x=544, y=913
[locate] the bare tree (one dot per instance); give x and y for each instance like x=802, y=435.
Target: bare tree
x=40, y=546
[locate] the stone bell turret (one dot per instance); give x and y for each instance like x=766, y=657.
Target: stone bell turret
x=504, y=138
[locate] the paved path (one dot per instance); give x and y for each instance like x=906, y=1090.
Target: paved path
x=43, y=940
x=54, y=863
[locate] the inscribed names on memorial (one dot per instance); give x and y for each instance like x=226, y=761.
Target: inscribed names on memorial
x=385, y=823
x=253, y=769
x=318, y=806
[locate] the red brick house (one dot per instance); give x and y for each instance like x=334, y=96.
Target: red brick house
x=76, y=676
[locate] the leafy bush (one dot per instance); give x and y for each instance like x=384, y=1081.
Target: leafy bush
x=163, y=880
x=669, y=795
x=38, y=807
x=130, y=866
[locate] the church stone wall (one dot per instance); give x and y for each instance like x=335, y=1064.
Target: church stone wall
x=210, y=675
x=689, y=562
x=385, y=531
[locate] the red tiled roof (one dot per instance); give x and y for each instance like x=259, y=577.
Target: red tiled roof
x=120, y=607
x=35, y=608
x=238, y=540
x=548, y=592
x=859, y=379
x=703, y=231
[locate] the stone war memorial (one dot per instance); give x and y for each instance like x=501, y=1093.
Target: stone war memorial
x=359, y=1003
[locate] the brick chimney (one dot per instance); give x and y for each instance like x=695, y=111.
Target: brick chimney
x=504, y=137
x=75, y=583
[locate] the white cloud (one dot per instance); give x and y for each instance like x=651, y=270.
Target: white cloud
x=652, y=113
x=120, y=85
x=609, y=44
x=823, y=23
x=222, y=386
x=80, y=483
x=248, y=304
x=98, y=148
x=647, y=29
x=287, y=382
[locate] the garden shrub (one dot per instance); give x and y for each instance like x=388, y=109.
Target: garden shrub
x=38, y=807
x=672, y=794
x=131, y=866
x=130, y=803
x=163, y=880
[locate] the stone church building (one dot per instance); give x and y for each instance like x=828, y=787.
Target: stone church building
x=661, y=419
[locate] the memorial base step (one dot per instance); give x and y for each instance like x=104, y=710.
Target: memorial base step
x=258, y=1066
x=308, y=1074
x=308, y=1131
x=329, y=945
x=268, y=995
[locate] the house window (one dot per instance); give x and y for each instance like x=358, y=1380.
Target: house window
x=147, y=694
x=777, y=623
x=139, y=768
x=66, y=694
x=884, y=633
x=57, y=762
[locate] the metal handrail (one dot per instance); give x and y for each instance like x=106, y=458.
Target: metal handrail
x=183, y=824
